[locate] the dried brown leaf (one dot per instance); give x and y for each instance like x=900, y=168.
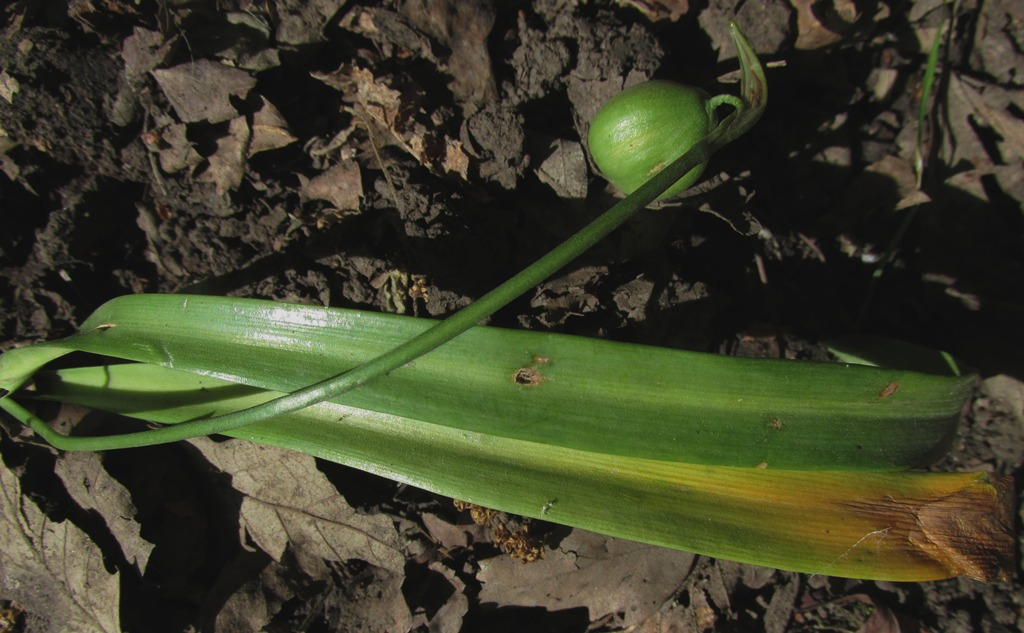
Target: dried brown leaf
x=227, y=163
x=392, y=117
x=175, y=151
x=390, y=32
x=341, y=185
x=1000, y=32
x=451, y=535
x=960, y=142
x=881, y=620
x=9, y=87
x=448, y=618
x=202, y=90
x=373, y=602
x=456, y=161
x=899, y=170
x=605, y=575
x=92, y=487
x=672, y=618
x=568, y=295
x=255, y=603
x=565, y=170
x=766, y=25
x=288, y=503
x=302, y=21
x=821, y=24
x=463, y=28
x=144, y=50
x=659, y=9
x=780, y=608
x=355, y=599
x=246, y=610
x=376, y=98
x=989, y=104
x=54, y=570
x=269, y=129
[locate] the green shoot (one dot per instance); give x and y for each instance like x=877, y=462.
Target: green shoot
x=923, y=110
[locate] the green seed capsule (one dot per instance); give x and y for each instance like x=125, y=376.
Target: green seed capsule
x=639, y=131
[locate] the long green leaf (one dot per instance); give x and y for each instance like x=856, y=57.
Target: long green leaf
x=566, y=391
x=896, y=526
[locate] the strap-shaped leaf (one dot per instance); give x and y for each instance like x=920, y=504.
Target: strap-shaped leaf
x=558, y=390
x=895, y=526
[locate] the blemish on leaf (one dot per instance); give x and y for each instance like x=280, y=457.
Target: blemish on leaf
x=527, y=377
x=540, y=359
x=888, y=390
x=103, y=327
x=775, y=423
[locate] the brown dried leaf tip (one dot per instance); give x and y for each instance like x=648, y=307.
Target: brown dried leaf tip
x=517, y=543
x=965, y=531
x=971, y=531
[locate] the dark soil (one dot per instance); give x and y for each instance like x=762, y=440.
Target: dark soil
x=409, y=155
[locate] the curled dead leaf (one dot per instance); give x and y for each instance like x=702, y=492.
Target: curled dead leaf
x=269, y=129
x=397, y=117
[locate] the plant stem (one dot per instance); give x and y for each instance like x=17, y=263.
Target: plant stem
x=754, y=96
x=923, y=109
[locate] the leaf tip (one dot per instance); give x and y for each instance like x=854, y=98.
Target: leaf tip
x=970, y=531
